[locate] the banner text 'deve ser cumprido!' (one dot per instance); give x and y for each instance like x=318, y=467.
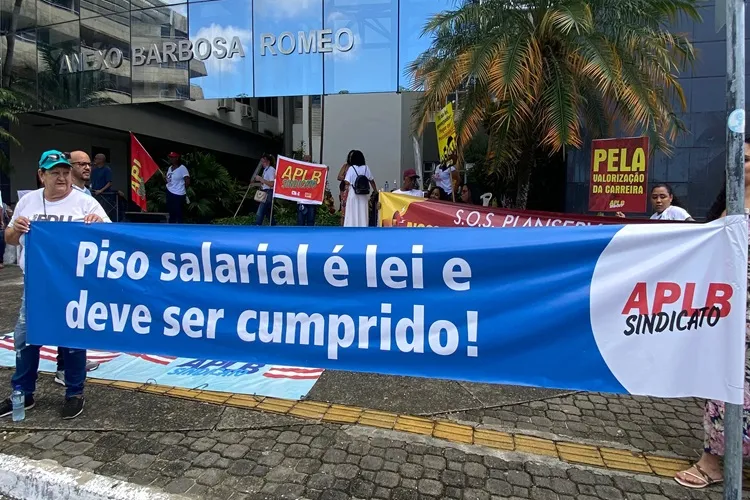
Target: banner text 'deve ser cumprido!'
x=514, y=306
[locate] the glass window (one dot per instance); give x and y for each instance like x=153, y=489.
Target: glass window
x=364, y=49
x=106, y=41
x=96, y=8
x=161, y=54
x=24, y=10
x=223, y=63
x=61, y=66
x=414, y=16
x=19, y=68
x=286, y=35
x=49, y=12
x=269, y=106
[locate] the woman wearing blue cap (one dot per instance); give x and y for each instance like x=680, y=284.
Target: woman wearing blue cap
x=56, y=201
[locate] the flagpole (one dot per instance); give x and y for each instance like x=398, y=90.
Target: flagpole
x=735, y=189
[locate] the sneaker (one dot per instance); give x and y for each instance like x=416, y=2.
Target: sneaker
x=91, y=365
x=72, y=407
x=60, y=377
x=6, y=407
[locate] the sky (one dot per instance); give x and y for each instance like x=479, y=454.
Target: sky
x=385, y=42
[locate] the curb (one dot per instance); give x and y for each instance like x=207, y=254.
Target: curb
x=28, y=479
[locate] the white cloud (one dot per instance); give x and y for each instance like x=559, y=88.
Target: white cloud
x=226, y=65
x=337, y=20
x=283, y=9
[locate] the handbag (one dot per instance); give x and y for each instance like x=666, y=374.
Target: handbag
x=261, y=196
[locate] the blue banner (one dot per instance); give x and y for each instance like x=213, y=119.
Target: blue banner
x=604, y=308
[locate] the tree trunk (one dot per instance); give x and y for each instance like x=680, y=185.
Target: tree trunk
x=523, y=180
x=10, y=40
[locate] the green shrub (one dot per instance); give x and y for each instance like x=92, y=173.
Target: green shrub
x=285, y=213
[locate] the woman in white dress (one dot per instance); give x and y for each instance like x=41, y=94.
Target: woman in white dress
x=359, y=183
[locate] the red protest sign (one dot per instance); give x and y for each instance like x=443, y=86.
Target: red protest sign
x=619, y=175
x=300, y=181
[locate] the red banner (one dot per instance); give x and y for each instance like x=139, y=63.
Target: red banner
x=397, y=210
x=142, y=167
x=619, y=173
x=300, y=181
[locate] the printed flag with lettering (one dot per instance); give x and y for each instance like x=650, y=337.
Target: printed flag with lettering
x=142, y=167
x=300, y=181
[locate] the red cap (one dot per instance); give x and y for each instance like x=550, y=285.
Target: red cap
x=174, y=155
x=410, y=173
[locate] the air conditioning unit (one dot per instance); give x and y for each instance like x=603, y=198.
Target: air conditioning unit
x=249, y=113
x=226, y=104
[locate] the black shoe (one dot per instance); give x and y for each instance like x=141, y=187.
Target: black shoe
x=73, y=407
x=6, y=407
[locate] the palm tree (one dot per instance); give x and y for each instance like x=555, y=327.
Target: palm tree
x=537, y=73
x=10, y=106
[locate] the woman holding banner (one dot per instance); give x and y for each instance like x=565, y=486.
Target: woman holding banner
x=707, y=470
x=56, y=201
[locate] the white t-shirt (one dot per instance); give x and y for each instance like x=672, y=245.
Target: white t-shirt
x=176, y=180
x=269, y=174
x=355, y=171
x=443, y=178
x=672, y=213
x=83, y=189
x=412, y=192
x=72, y=208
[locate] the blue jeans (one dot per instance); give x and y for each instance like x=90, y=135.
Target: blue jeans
x=306, y=214
x=264, y=210
x=27, y=361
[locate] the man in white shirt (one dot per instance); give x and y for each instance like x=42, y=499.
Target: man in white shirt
x=178, y=180
x=410, y=185
x=56, y=201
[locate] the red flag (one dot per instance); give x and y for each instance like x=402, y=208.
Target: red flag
x=142, y=167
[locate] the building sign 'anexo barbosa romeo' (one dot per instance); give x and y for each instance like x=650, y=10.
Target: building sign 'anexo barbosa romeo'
x=314, y=41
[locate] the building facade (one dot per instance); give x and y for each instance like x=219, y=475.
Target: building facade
x=696, y=167
x=229, y=75
x=222, y=75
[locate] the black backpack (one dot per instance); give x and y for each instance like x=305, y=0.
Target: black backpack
x=361, y=183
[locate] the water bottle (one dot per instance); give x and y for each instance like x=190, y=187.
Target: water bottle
x=386, y=187
x=18, y=400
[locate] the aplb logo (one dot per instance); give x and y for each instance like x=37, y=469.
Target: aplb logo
x=653, y=309
x=136, y=179
x=616, y=204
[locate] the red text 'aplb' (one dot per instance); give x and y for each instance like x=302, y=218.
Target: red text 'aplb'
x=666, y=293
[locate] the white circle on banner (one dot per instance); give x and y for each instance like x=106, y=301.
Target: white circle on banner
x=650, y=349
x=736, y=121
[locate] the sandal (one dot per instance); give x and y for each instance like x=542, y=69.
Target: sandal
x=704, y=479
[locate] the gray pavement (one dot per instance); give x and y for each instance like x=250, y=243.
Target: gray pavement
x=214, y=452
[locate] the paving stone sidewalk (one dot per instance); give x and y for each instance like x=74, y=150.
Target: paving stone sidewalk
x=214, y=452
x=322, y=461
x=646, y=424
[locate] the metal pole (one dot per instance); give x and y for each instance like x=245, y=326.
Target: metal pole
x=735, y=206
